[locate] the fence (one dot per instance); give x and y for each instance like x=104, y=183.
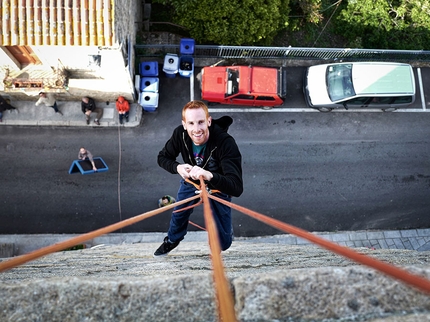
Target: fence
x=238, y=52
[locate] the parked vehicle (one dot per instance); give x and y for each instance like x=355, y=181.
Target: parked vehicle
x=244, y=85
x=385, y=86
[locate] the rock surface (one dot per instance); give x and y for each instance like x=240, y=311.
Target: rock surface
x=270, y=282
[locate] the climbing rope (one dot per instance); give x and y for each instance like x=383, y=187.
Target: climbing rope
x=388, y=269
x=223, y=293
x=16, y=261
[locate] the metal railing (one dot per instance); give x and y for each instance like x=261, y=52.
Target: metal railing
x=299, y=53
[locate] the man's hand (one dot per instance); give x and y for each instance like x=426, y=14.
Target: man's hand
x=87, y=112
x=184, y=169
x=197, y=172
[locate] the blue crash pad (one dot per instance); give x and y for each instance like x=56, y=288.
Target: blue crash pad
x=85, y=166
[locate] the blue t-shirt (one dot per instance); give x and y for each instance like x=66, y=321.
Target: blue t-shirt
x=199, y=154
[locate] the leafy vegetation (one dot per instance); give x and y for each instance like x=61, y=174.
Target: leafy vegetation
x=401, y=24
x=390, y=24
x=230, y=22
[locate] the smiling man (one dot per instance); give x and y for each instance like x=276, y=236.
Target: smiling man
x=208, y=151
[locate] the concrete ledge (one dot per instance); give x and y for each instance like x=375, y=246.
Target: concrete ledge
x=325, y=293
x=297, y=295
x=7, y=250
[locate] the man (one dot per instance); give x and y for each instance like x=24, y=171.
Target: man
x=85, y=154
x=89, y=106
x=165, y=201
x=208, y=151
x=49, y=100
x=123, y=108
x=4, y=105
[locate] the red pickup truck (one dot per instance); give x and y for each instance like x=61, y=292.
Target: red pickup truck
x=244, y=85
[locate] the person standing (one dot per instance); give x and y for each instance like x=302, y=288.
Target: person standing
x=85, y=154
x=88, y=106
x=123, y=108
x=49, y=100
x=207, y=151
x=4, y=105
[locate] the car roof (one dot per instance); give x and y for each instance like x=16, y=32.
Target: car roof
x=382, y=78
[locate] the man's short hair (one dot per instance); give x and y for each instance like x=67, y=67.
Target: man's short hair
x=195, y=105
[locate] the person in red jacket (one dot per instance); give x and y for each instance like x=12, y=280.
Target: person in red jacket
x=123, y=108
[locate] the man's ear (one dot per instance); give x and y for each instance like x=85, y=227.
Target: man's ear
x=183, y=124
x=209, y=120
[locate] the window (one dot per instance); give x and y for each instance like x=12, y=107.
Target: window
x=402, y=100
x=358, y=101
x=380, y=101
x=339, y=81
x=265, y=98
x=244, y=97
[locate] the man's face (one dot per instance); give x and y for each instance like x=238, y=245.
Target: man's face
x=83, y=151
x=197, y=125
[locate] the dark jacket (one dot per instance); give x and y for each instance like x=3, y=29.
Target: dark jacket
x=90, y=106
x=222, y=157
x=4, y=105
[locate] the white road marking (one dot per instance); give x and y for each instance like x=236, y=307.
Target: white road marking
x=420, y=81
x=296, y=110
x=192, y=87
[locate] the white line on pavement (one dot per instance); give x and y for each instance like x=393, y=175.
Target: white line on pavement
x=192, y=87
x=420, y=81
x=295, y=110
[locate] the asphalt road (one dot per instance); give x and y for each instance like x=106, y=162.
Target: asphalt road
x=318, y=171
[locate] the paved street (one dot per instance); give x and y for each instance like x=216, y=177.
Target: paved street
x=319, y=171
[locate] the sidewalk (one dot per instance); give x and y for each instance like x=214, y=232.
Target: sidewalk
x=411, y=239
x=29, y=114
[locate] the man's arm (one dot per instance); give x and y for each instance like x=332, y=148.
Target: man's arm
x=167, y=156
x=230, y=181
x=90, y=157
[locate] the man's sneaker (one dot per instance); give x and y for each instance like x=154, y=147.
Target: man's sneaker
x=88, y=122
x=166, y=247
x=97, y=122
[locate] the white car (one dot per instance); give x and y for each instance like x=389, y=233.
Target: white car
x=385, y=86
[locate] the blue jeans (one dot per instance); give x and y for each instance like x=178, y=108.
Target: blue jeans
x=221, y=215
x=55, y=107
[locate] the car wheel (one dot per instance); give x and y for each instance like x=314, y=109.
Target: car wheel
x=324, y=109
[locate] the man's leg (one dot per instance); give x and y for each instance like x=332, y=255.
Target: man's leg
x=222, y=217
x=99, y=112
x=179, y=220
x=55, y=107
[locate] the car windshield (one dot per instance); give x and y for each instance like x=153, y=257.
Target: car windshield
x=232, y=81
x=339, y=81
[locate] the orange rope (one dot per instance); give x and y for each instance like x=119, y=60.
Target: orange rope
x=195, y=225
x=223, y=293
x=16, y=261
x=388, y=269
